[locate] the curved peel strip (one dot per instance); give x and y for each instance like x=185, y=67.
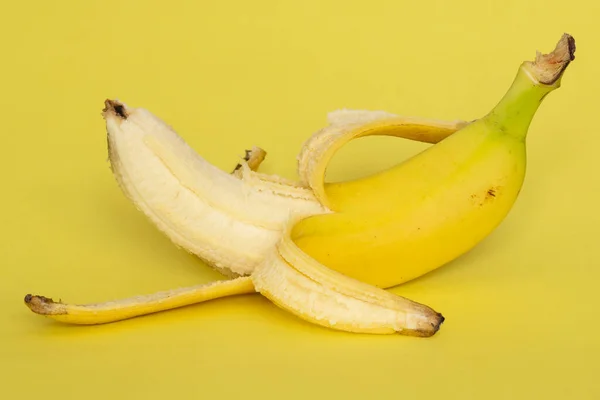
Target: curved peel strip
x=111, y=311
x=334, y=280
x=310, y=291
x=347, y=125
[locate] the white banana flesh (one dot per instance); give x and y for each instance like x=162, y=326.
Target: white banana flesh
x=228, y=222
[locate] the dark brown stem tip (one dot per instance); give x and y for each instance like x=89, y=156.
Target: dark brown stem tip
x=33, y=299
x=436, y=324
x=564, y=50
x=548, y=68
x=440, y=321
x=428, y=327
x=570, y=45
x=114, y=107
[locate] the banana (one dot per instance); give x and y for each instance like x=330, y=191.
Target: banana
x=296, y=283
x=325, y=251
x=401, y=223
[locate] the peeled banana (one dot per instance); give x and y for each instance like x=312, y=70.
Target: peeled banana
x=326, y=251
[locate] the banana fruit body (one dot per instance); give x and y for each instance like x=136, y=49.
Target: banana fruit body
x=326, y=251
x=443, y=202
x=399, y=224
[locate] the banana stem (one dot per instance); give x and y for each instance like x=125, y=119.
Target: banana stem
x=547, y=69
x=534, y=80
x=112, y=311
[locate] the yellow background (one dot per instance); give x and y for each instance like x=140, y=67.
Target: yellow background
x=522, y=308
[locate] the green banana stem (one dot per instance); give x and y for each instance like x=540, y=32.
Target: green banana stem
x=534, y=80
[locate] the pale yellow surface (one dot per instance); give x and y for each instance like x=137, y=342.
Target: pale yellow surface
x=522, y=309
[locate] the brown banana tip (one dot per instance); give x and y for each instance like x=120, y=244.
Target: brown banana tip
x=439, y=322
x=114, y=107
x=436, y=324
x=430, y=327
x=30, y=298
x=39, y=304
